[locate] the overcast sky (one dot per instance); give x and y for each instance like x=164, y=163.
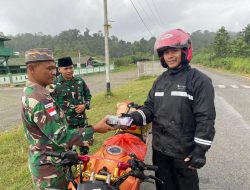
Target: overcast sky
x=54, y=16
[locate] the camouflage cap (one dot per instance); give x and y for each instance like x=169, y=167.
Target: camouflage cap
x=38, y=55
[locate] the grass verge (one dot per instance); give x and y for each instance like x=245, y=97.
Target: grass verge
x=233, y=64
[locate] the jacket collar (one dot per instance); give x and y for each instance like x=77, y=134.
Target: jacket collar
x=38, y=87
x=179, y=69
x=61, y=79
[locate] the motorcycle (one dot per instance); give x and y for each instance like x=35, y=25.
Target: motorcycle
x=118, y=164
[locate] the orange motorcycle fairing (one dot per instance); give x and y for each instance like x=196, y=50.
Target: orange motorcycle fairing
x=115, y=150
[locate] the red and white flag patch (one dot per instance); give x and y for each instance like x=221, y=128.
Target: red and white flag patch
x=51, y=111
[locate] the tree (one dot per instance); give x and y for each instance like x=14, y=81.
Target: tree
x=246, y=34
x=201, y=40
x=239, y=47
x=221, y=43
x=69, y=42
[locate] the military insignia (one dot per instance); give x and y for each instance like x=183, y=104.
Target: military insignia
x=51, y=111
x=48, y=105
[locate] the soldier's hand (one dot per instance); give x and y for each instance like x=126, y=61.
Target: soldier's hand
x=102, y=126
x=80, y=108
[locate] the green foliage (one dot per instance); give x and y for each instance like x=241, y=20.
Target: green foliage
x=207, y=46
x=246, y=34
x=234, y=64
x=14, y=148
x=230, y=52
x=123, y=61
x=239, y=47
x=201, y=40
x=126, y=60
x=69, y=42
x=221, y=43
x=123, y=68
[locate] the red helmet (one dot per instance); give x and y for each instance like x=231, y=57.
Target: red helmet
x=174, y=38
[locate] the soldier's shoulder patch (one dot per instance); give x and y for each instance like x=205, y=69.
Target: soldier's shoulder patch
x=51, y=111
x=48, y=105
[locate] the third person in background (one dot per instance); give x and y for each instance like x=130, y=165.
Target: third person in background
x=73, y=95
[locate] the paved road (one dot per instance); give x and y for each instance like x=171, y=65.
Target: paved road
x=229, y=158
x=228, y=161
x=10, y=101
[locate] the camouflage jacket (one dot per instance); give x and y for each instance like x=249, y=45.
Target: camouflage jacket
x=68, y=94
x=46, y=129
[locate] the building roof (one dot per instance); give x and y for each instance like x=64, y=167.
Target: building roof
x=3, y=38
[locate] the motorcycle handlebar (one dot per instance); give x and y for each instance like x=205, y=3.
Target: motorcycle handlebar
x=70, y=158
x=70, y=155
x=73, y=156
x=133, y=105
x=53, y=154
x=151, y=167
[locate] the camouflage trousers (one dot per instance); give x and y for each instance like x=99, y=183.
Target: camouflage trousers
x=83, y=149
x=56, y=182
x=47, y=176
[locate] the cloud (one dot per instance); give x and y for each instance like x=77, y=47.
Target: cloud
x=54, y=16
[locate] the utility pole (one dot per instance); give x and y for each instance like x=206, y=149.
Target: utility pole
x=79, y=56
x=79, y=63
x=106, y=35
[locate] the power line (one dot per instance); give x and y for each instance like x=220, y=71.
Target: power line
x=157, y=14
x=154, y=14
x=141, y=18
x=144, y=10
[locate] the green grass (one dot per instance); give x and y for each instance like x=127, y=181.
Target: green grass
x=13, y=146
x=232, y=64
x=129, y=67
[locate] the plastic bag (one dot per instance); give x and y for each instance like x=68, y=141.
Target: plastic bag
x=130, y=143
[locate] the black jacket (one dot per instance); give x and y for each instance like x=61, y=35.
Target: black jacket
x=180, y=106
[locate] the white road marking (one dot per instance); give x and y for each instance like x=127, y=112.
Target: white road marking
x=221, y=86
x=245, y=86
x=234, y=86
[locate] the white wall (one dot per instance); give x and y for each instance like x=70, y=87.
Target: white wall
x=19, y=78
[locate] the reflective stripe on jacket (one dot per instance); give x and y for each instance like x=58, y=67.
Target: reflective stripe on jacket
x=181, y=108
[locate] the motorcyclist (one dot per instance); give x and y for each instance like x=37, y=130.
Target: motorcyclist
x=180, y=106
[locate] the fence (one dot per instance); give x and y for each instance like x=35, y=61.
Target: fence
x=149, y=68
x=22, y=78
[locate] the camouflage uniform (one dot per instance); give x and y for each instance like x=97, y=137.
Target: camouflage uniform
x=46, y=130
x=68, y=94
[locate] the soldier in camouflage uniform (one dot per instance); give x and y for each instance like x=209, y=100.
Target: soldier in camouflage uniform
x=44, y=123
x=72, y=95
